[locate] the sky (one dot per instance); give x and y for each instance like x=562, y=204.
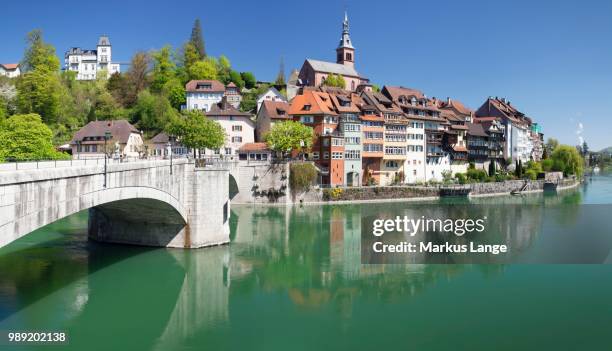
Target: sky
x=551, y=59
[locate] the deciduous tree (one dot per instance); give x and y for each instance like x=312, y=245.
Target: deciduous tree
x=196, y=131
x=26, y=137
x=288, y=136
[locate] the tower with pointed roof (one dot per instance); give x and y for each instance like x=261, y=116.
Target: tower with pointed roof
x=345, y=53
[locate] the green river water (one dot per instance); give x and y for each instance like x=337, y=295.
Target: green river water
x=292, y=279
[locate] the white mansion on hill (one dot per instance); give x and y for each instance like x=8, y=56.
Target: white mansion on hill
x=88, y=62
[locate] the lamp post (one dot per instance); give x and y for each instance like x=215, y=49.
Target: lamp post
x=170, y=144
x=107, y=136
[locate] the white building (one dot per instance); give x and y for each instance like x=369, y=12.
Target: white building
x=414, y=166
x=239, y=127
x=272, y=94
x=124, y=140
x=10, y=70
x=203, y=94
x=87, y=63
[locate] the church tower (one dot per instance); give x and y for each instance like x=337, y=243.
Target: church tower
x=345, y=53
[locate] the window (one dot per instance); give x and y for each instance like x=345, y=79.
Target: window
x=236, y=139
x=306, y=119
x=349, y=56
x=326, y=142
x=236, y=128
x=395, y=150
x=352, y=140
x=315, y=155
x=326, y=155
x=395, y=137
x=337, y=142
x=391, y=164
x=373, y=135
x=228, y=150
x=352, y=154
x=372, y=148
x=336, y=155
x=349, y=127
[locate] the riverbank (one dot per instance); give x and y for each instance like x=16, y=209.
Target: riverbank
x=409, y=193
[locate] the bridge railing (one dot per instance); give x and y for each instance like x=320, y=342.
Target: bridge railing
x=28, y=165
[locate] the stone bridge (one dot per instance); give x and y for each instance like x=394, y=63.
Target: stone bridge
x=141, y=202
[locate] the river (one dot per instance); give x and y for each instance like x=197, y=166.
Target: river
x=292, y=279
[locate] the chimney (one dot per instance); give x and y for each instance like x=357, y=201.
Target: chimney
x=448, y=100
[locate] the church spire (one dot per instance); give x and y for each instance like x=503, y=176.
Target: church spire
x=345, y=53
x=345, y=40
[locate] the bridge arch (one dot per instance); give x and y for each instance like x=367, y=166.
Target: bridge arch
x=102, y=201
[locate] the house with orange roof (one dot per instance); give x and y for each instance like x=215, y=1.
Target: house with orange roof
x=316, y=109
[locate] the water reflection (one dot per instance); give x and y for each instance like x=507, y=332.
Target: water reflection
x=285, y=266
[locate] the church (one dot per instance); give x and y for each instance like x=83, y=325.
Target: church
x=314, y=72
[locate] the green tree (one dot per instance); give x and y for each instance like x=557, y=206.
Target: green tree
x=190, y=56
x=164, y=69
x=26, y=137
x=249, y=80
x=566, y=159
x=551, y=145
x=236, y=79
x=335, y=80
x=39, y=54
x=289, y=135
x=39, y=92
x=206, y=69
x=175, y=92
x=152, y=113
x=197, y=40
x=196, y=131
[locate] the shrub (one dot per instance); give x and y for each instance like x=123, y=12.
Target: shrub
x=301, y=176
x=531, y=174
x=460, y=178
x=476, y=174
x=547, y=165
x=333, y=193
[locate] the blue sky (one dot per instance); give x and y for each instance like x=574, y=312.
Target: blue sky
x=552, y=59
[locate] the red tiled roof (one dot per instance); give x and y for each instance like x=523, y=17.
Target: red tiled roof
x=9, y=65
x=319, y=102
x=254, y=147
x=205, y=86
x=396, y=92
x=120, y=130
x=460, y=148
x=273, y=109
x=476, y=129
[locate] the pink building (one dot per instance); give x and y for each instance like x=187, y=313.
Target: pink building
x=314, y=72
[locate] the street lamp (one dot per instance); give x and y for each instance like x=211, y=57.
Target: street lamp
x=170, y=143
x=107, y=136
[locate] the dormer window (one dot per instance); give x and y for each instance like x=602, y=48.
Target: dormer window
x=307, y=107
x=204, y=86
x=280, y=112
